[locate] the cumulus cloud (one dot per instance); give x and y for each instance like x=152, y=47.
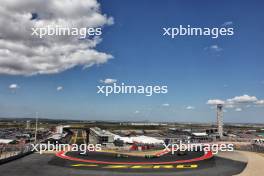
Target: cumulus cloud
x=24, y=54
x=232, y=101
x=59, y=88
x=243, y=99
x=108, y=81
x=13, y=86
x=259, y=102
x=237, y=102
x=190, y=107
x=215, y=102
x=166, y=104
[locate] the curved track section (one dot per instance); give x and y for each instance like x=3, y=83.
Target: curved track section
x=106, y=158
x=105, y=162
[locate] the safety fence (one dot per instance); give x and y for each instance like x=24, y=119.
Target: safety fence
x=252, y=148
x=9, y=152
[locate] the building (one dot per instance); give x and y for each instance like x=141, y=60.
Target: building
x=219, y=116
x=59, y=129
x=211, y=131
x=142, y=124
x=98, y=136
x=200, y=137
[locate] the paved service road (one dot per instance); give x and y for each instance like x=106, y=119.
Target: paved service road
x=255, y=164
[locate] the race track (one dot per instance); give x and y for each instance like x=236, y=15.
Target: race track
x=80, y=165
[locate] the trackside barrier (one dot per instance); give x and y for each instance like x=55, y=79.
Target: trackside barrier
x=10, y=152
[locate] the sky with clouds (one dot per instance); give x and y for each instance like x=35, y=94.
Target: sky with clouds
x=57, y=76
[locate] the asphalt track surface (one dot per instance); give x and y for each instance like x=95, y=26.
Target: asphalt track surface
x=50, y=165
x=110, y=158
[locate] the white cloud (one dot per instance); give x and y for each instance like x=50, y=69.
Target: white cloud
x=238, y=109
x=215, y=102
x=59, y=88
x=229, y=105
x=237, y=102
x=214, y=48
x=259, y=102
x=13, y=86
x=243, y=99
x=190, y=107
x=227, y=23
x=23, y=54
x=234, y=102
x=166, y=104
x=108, y=81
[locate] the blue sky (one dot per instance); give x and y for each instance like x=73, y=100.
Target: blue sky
x=142, y=55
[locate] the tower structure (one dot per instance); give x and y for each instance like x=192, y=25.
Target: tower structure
x=28, y=125
x=219, y=116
